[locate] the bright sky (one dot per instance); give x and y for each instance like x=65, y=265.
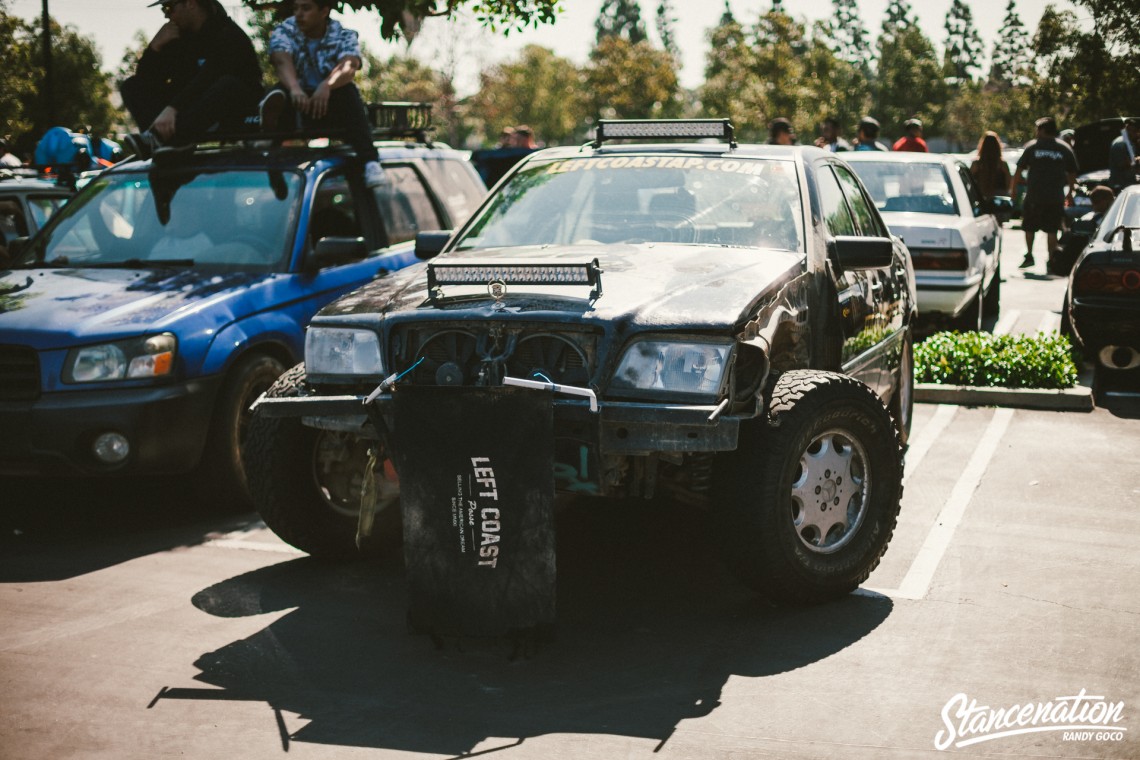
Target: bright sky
x=113, y=24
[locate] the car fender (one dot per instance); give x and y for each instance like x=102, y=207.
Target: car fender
x=276, y=331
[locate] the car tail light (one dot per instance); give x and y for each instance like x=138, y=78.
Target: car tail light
x=955, y=259
x=1108, y=281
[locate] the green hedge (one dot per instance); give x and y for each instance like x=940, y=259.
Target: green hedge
x=997, y=361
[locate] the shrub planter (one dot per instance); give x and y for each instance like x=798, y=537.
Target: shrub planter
x=981, y=369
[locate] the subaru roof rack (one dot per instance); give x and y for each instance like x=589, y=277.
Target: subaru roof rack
x=663, y=129
x=389, y=120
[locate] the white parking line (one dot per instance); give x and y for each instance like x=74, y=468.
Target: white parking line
x=1049, y=323
x=930, y=432
x=1007, y=321
x=257, y=546
x=916, y=582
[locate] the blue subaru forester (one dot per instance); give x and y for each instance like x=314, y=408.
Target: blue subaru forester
x=137, y=327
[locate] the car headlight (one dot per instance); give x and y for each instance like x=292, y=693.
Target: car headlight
x=132, y=359
x=673, y=367
x=340, y=351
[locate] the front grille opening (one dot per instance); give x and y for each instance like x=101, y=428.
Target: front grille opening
x=19, y=374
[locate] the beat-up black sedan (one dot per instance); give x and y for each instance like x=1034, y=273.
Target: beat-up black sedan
x=727, y=324
x=1102, y=304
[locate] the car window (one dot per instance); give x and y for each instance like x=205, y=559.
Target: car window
x=333, y=212
x=12, y=222
x=231, y=220
x=835, y=212
x=405, y=205
x=459, y=187
x=901, y=186
x=42, y=207
x=686, y=200
x=972, y=194
x=865, y=219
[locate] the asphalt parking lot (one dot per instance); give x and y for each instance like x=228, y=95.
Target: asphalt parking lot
x=137, y=623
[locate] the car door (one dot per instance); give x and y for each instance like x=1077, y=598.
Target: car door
x=856, y=289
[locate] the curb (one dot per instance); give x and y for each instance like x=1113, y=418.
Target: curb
x=1078, y=399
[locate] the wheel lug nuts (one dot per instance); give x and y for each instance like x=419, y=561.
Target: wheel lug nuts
x=818, y=490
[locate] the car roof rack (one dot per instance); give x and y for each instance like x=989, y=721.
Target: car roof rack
x=389, y=120
x=663, y=129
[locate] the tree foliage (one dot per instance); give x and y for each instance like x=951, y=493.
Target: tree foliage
x=620, y=18
x=846, y=36
x=963, y=49
x=909, y=80
x=1116, y=21
x=1012, y=54
x=538, y=88
x=403, y=16
x=627, y=80
x=1065, y=55
x=80, y=90
x=665, y=20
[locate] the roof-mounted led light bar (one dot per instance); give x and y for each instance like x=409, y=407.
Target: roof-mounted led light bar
x=663, y=129
x=470, y=273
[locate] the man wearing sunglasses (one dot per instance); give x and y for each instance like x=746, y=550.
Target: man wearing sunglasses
x=198, y=75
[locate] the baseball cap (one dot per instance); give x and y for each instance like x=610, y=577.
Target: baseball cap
x=912, y=123
x=1048, y=123
x=779, y=124
x=870, y=121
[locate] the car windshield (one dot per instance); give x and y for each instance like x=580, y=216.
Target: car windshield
x=908, y=186
x=1127, y=214
x=227, y=221
x=688, y=200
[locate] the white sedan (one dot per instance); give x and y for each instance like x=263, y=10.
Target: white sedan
x=932, y=202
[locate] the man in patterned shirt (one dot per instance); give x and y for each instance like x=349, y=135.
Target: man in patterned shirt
x=316, y=60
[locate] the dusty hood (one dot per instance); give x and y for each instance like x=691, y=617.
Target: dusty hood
x=643, y=285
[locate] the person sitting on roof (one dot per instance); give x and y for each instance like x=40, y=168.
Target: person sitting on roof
x=199, y=74
x=316, y=59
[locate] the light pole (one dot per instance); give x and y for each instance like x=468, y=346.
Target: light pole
x=48, y=94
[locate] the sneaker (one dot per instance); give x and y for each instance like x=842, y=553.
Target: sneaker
x=270, y=109
x=1026, y=262
x=374, y=174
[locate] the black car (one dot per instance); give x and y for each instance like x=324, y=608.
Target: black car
x=724, y=324
x=1091, y=143
x=1101, y=311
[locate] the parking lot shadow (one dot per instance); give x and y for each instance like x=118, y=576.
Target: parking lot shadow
x=57, y=528
x=649, y=630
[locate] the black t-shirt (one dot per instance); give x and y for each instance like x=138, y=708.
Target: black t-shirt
x=1048, y=162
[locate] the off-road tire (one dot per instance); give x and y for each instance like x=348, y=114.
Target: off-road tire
x=220, y=475
x=287, y=494
x=753, y=503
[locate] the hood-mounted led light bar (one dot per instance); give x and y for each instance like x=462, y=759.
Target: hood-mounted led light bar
x=496, y=277
x=663, y=129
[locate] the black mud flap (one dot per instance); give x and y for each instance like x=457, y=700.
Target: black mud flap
x=476, y=471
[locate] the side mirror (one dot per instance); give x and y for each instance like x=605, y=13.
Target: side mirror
x=1001, y=206
x=861, y=252
x=331, y=251
x=430, y=243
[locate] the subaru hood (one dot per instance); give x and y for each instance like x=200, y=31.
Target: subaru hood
x=55, y=308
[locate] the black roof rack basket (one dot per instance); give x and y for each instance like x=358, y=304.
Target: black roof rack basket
x=401, y=120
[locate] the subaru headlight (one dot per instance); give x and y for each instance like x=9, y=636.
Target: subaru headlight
x=341, y=351
x=132, y=359
x=673, y=367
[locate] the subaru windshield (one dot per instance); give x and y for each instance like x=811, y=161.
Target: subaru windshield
x=218, y=221
x=675, y=199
